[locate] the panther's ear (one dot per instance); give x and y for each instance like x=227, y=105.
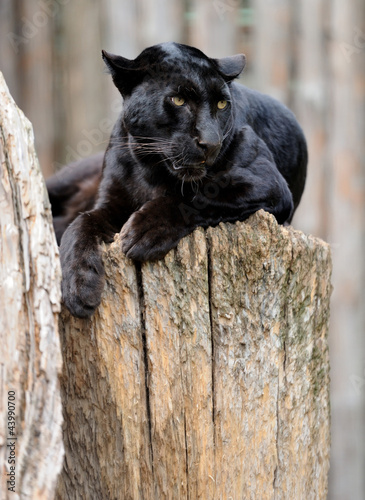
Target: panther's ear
x=126, y=75
x=231, y=67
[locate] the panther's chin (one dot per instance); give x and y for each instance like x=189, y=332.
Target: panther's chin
x=189, y=173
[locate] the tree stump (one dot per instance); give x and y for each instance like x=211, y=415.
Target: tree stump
x=31, y=449
x=204, y=375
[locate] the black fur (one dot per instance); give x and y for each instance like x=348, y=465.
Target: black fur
x=170, y=168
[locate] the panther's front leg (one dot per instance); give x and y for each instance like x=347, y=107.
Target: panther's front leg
x=82, y=266
x=153, y=230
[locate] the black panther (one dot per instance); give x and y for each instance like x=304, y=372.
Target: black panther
x=192, y=147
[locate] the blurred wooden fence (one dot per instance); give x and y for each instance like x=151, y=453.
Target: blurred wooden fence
x=316, y=63
x=307, y=53
x=50, y=53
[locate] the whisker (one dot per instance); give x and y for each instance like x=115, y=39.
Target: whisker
x=139, y=140
x=169, y=158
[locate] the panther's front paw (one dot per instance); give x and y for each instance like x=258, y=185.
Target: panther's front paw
x=82, y=283
x=146, y=236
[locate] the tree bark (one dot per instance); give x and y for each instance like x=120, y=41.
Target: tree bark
x=31, y=449
x=205, y=375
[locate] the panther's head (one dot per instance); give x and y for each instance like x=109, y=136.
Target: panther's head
x=178, y=109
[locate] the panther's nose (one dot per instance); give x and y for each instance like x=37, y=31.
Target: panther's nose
x=209, y=148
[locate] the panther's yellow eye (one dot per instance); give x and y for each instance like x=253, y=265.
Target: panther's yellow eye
x=222, y=104
x=178, y=101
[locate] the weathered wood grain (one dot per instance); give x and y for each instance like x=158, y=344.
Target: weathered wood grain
x=104, y=394
x=29, y=305
x=205, y=375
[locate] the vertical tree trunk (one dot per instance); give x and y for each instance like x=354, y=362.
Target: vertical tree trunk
x=31, y=449
x=205, y=375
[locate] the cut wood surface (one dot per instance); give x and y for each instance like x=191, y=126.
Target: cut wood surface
x=30, y=356
x=205, y=375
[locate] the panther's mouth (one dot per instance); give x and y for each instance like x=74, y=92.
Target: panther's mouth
x=190, y=172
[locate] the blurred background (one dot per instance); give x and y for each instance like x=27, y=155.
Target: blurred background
x=307, y=53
